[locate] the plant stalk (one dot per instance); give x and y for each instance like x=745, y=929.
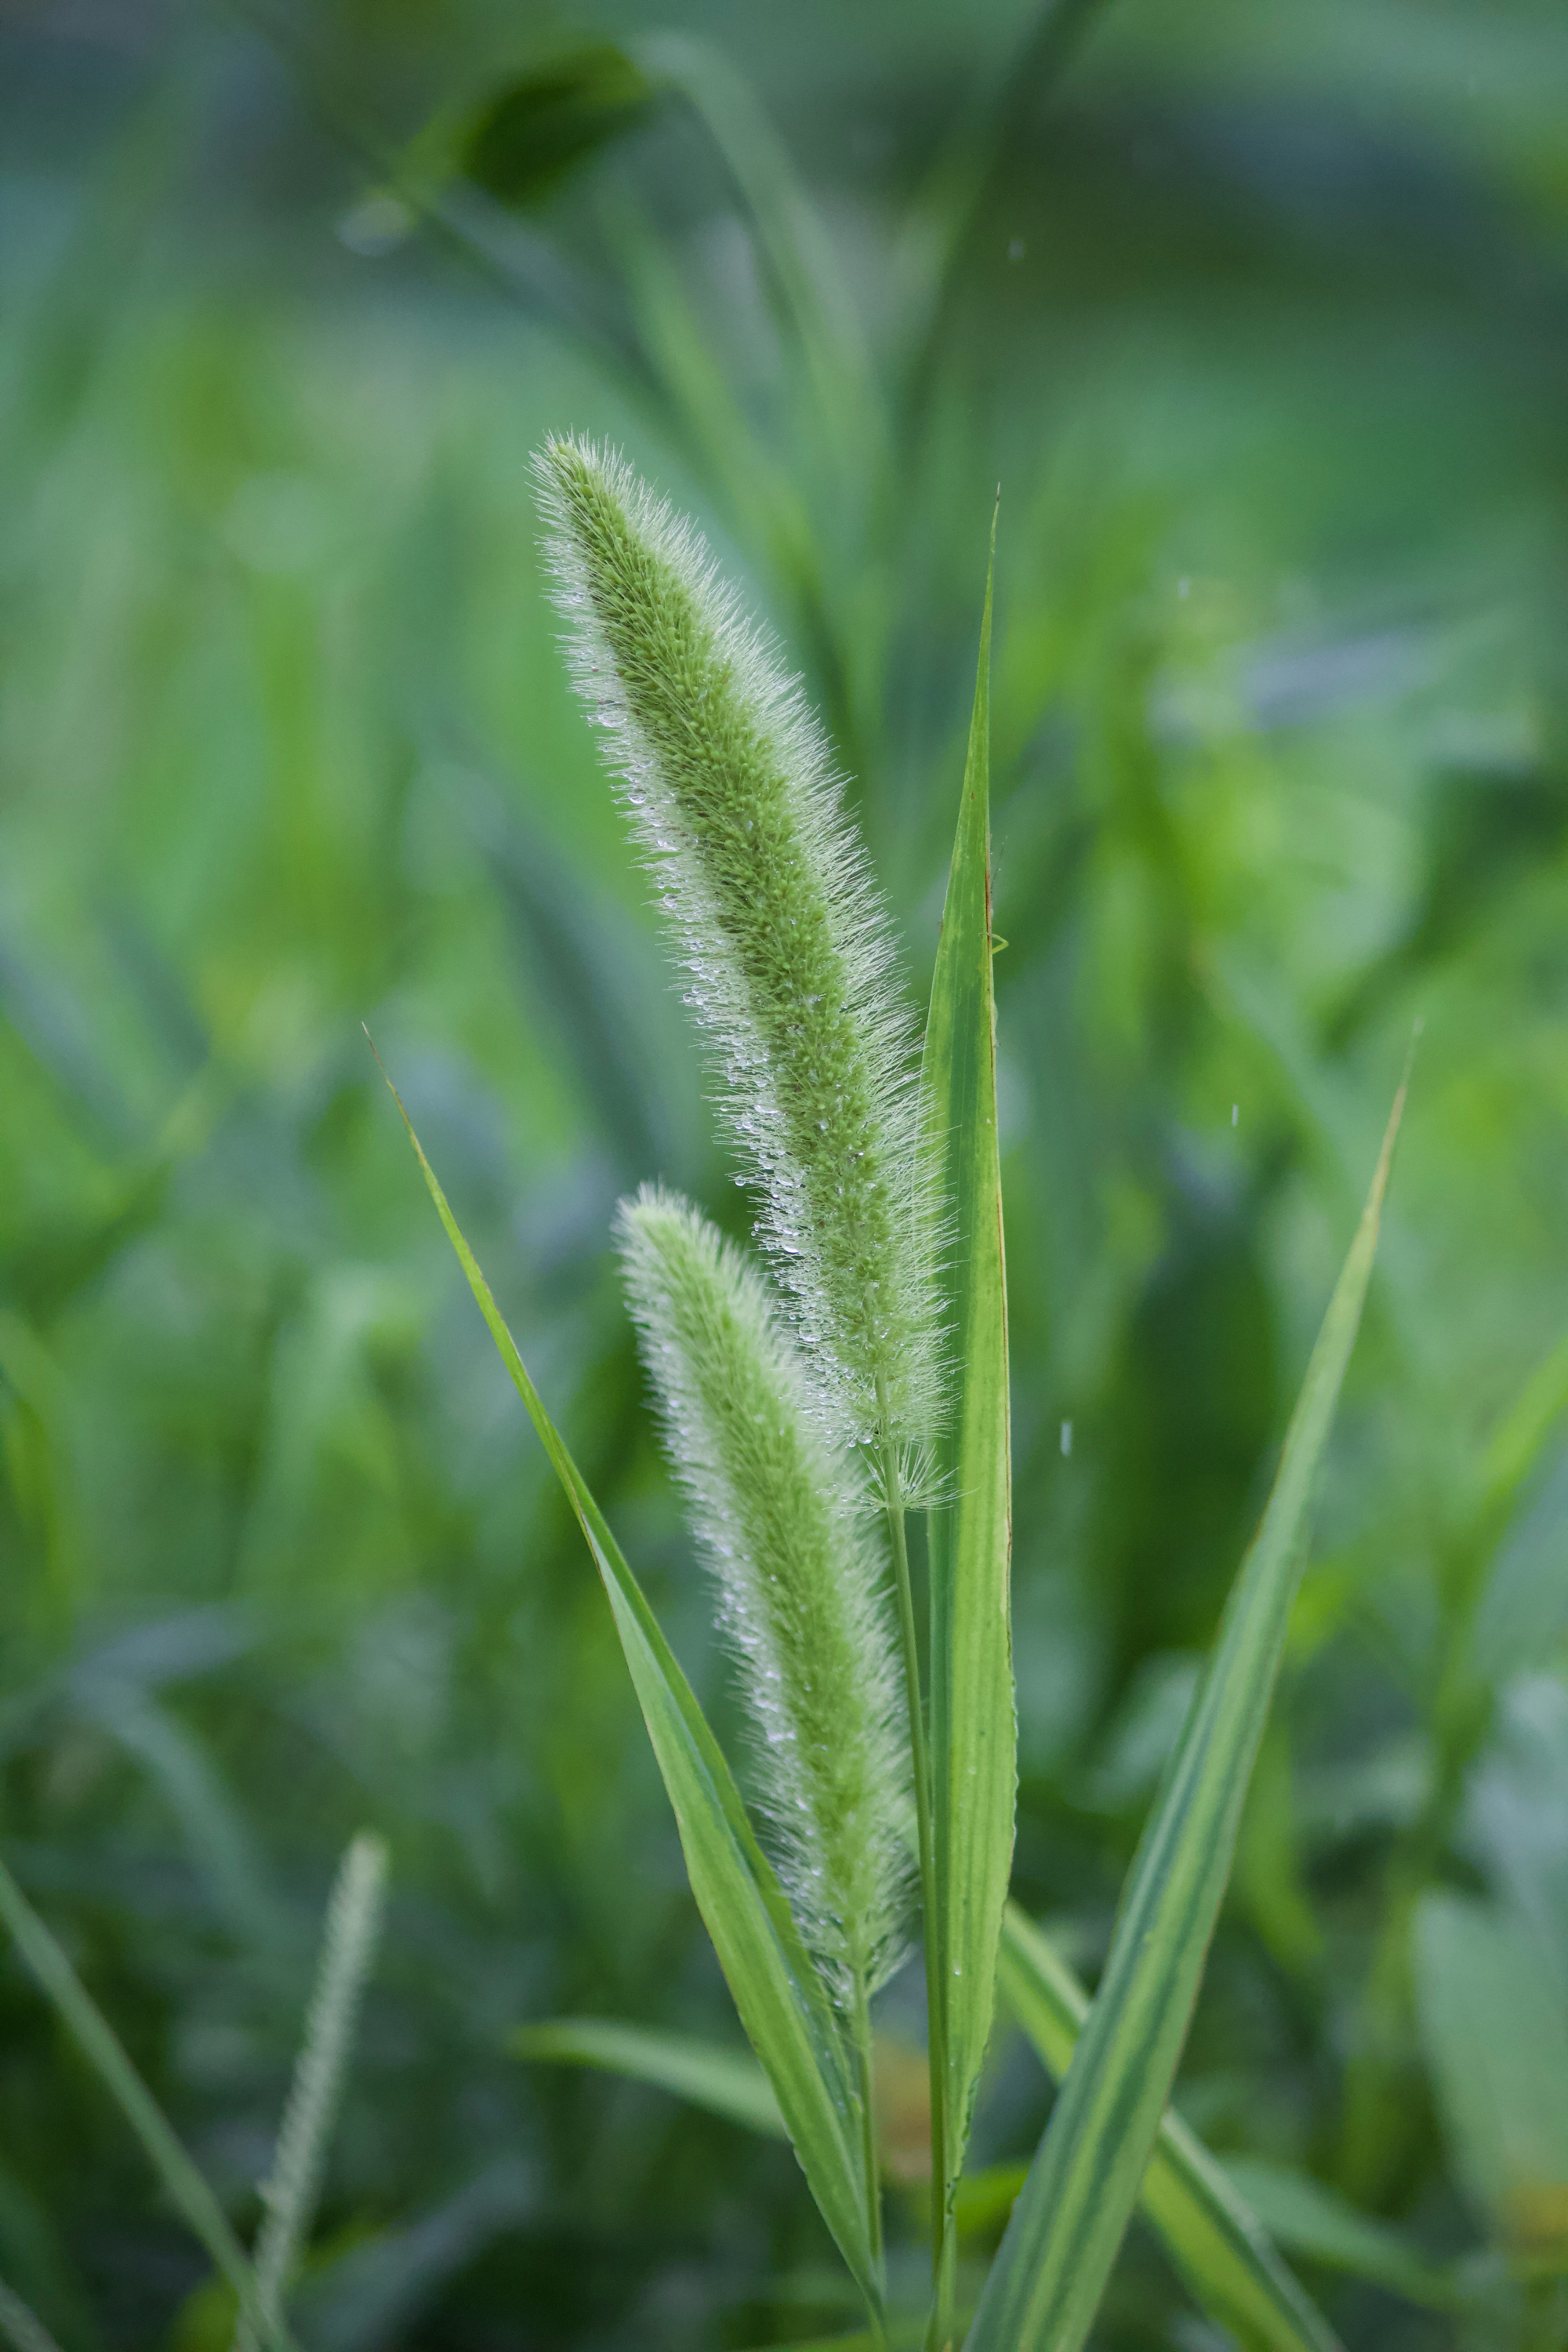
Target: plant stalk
x=868, y=2123
x=936, y=2006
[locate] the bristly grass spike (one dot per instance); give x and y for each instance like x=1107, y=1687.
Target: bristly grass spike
x=779, y=1515
x=730, y=789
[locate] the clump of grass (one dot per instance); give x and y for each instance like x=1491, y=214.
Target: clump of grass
x=732, y=791
x=732, y=795
x=780, y=1519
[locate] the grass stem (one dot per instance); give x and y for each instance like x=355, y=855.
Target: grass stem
x=936, y=2010
x=863, y=2051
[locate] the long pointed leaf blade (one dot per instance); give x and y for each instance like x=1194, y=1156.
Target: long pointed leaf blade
x=972, y=1721
x=183, y=2183
x=778, y=1994
x=727, y=2083
x=1215, y=2241
x=1057, y=2254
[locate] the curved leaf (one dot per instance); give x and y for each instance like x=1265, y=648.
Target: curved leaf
x=727, y=2083
x=535, y=132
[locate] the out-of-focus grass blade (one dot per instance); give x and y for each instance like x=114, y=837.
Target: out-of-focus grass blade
x=726, y=2081
x=974, y=1731
x=1309, y=2219
x=1517, y=1599
x=1489, y=1996
x=548, y=121
x=371, y=2297
x=21, y=2327
x=219, y=1837
x=581, y=961
x=102, y=2047
x=763, y=493
x=1218, y=2244
x=1054, y=2261
x=816, y=305
x=1516, y=1443
x=777, y=1992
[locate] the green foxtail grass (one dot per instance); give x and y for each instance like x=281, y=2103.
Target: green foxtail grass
x=730, y=792
x=733, y=793
x=780, y=1519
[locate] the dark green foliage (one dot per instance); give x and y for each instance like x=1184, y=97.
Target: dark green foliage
x=533, y=133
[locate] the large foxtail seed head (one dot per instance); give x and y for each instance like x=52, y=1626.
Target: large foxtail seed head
x=779, y=1517
x=729, y=784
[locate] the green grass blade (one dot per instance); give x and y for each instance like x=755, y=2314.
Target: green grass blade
x=972, y=1724
x=1488, y=1995
x=726, y=2083
x=777, y=1992
x=1309, y=2219
x=1215, y=2241
x=20, y=2326
x=816, y=304
x=100, y=2044
x=1059, y=2246
x=1515, y=1445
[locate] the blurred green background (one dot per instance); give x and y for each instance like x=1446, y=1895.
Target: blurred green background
x=1259, y=315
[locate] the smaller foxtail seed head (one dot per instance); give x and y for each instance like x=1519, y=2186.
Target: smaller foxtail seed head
x=780, y=1519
